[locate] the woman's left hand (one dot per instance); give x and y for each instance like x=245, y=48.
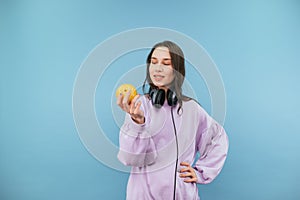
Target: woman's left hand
x=188, y=172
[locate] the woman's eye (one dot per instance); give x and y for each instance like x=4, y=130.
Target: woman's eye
x=153, y=62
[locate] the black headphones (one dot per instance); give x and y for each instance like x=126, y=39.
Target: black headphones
x=158, y=97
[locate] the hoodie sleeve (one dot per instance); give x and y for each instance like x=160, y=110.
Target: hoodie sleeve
x=136, y=144
x=212, y=144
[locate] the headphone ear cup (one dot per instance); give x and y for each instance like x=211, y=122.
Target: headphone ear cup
x=157, y=97
x=171, y=98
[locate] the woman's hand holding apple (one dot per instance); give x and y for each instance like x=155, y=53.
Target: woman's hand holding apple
x=129, y=105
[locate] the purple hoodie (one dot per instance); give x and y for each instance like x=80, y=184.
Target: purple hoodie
x=150, y=149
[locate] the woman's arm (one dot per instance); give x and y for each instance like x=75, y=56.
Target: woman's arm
x=212, y=144
x=136, y=145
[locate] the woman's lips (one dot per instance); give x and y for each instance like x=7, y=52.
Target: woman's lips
x=158, y=77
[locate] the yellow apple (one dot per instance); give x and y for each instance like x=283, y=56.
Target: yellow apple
x=124, y=88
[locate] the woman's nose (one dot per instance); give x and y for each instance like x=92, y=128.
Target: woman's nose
x=158, y=68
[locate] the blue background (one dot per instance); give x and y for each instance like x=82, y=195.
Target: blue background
x=255, y=44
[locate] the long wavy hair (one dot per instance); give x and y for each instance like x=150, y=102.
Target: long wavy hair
x=178, y=64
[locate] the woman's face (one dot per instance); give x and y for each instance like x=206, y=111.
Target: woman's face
x=161, y=69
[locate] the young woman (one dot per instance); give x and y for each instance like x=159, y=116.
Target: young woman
x=164, y=130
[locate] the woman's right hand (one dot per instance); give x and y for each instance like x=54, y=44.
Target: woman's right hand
x=132, y=107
